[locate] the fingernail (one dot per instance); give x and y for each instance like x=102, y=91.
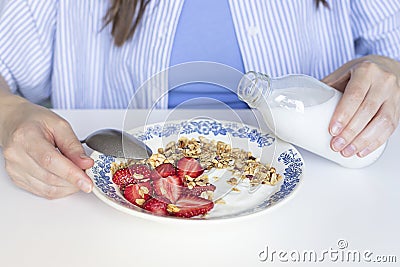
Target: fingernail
x=336, y=128
x=84, y=156
x=364, y=152
x=85, y=185
x=338, y=143
x=349, y=150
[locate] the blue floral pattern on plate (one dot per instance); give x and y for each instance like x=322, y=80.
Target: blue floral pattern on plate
x=206, y=127
x=290, y=163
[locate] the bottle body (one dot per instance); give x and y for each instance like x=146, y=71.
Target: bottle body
x=298, y=109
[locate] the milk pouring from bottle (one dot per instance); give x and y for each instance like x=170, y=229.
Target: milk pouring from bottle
x=298, y=109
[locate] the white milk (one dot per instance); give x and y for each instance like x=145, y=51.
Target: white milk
x=303, y=120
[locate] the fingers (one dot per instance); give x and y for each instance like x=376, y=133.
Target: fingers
x=39, y=146
x=353, y=96
x=52, y=188
x=41, y=189
x=32, y=168
x=69, y=145
x=338, y=79
x=373, y=135
x=42, y=153
x=368, y=112
x=49, y=158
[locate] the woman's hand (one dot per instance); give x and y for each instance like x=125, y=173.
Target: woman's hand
x=369, y=110
x=42, y=153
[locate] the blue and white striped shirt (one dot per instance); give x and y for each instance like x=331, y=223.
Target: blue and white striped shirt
x=60, y=48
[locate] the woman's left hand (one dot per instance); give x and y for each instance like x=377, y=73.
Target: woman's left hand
x=369, y=110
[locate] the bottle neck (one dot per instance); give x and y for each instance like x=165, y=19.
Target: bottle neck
x=254, y=87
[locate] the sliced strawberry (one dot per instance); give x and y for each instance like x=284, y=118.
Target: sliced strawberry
x=190, y=206
x=189, y=166
x=123, y=177
x=174, y=179
x=140, y=172
x=159, y=188
x=155, y=175
x=197, y=190
x=169, y=187
x=166, y=169
x=138, y=193
x=157, y=206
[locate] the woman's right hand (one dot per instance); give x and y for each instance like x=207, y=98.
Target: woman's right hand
x=42, y=153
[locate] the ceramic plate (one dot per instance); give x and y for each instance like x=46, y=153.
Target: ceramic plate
x=235, y=204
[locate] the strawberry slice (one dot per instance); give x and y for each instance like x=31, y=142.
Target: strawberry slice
x=140, y=172
x=169, y=187
x=190, y=206
x=123, y=177
x=155, y=175
x=157, y=206
x=189, y=166
x=138, y=193
x=197, y=190
x=166, y=169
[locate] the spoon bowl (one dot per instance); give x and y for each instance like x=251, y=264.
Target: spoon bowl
x=118, y=144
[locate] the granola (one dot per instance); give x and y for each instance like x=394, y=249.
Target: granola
x=219, y=155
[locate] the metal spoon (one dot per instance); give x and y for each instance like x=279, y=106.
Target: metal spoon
x=117, y=144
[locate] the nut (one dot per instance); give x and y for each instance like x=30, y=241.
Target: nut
x=138, y=176
x=232, y=181
x=140, y=201
x=172, y=208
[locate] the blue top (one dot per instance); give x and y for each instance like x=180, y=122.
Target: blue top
x=203, y=34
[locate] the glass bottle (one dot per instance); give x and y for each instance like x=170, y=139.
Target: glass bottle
x=298, y=109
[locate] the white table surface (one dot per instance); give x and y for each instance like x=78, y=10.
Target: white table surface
x=332, y=203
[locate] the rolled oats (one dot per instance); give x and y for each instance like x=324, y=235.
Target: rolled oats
x=220, y=201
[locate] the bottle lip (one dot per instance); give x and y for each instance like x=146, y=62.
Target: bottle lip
x=251, y=88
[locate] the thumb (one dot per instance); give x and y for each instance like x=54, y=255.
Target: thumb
x=69, y=145
x=338, y=79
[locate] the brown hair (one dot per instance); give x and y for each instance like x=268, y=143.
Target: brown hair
x=323, y=2
x=125, y=16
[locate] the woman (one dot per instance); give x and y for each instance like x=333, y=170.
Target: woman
x=90, y=54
